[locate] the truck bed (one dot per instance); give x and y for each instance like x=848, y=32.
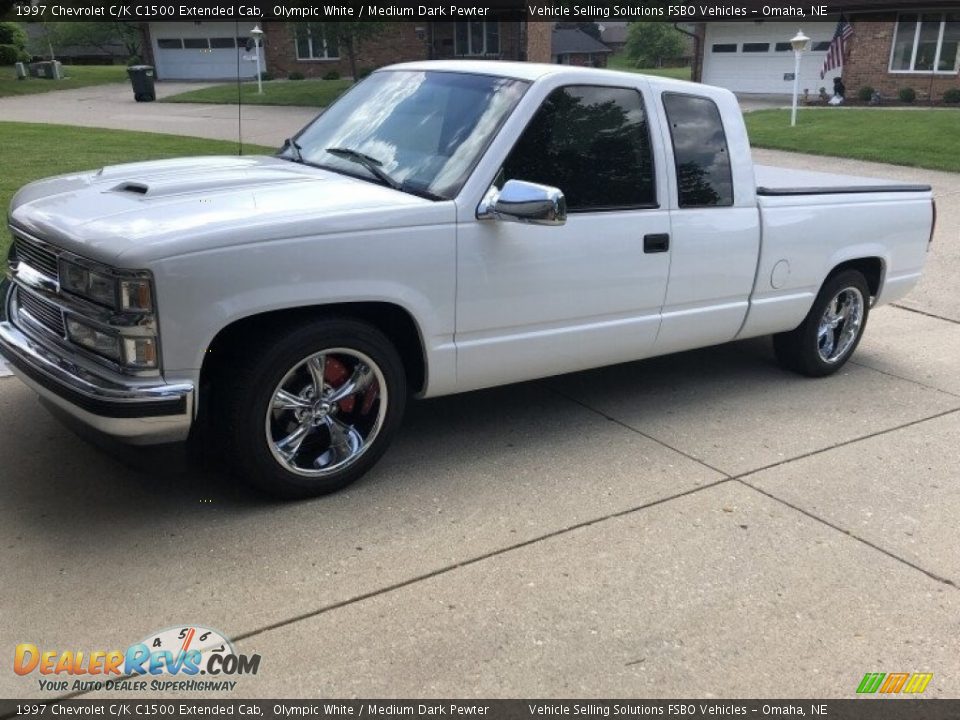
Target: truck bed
x=812, y=222
x=777, y=181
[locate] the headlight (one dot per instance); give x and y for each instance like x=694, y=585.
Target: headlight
x=119, y=293
x=135, y=352
x=102, y=343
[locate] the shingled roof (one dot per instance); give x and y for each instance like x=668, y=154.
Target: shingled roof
x=571, y=41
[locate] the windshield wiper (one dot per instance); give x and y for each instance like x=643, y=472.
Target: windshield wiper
x=370, y=163
x=291, y=144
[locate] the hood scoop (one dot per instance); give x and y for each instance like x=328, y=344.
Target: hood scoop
x=137, y=188
x=201, y=182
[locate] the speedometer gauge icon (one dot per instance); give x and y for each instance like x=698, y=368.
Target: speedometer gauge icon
x=174, y=643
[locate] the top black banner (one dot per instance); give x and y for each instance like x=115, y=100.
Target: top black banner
x=428, y=10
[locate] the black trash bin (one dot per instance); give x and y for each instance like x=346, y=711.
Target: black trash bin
x=141, y=77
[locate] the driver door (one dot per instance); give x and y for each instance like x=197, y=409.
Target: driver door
x=537, y=300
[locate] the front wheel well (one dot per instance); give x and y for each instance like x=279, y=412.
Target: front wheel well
x=871, y=268
x=392, y=320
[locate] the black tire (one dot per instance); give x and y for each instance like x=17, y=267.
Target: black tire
x=251, y=439
x=800, y=349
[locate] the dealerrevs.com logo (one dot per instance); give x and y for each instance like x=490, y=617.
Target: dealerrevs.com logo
x=894, y=683
x=178, y=658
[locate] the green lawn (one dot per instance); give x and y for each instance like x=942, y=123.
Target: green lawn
x=75, y=76
x=309, y=93
x=918, y=138
x=619, y=61
x=31, y=151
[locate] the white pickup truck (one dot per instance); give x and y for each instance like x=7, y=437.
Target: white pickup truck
x=443, y=227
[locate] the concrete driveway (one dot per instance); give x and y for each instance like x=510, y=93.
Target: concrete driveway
x=699, y=525
x=113, y=106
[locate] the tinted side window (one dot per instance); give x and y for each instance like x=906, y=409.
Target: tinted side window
x=699, y=150
x=591, y=142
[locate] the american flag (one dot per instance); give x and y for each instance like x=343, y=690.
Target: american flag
x=838, y=47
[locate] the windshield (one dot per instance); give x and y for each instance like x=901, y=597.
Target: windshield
x=423, y=131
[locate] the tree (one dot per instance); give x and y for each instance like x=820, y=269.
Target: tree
x=649, y=43
x=104, y=36
x=13, y=43
x=12, y=33
x=350, y=36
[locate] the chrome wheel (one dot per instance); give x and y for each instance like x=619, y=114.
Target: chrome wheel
x=326, y=412
x=840, y=325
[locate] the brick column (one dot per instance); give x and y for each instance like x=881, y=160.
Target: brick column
x=539, y=41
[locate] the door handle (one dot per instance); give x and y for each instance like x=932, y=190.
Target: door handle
x=657, y=243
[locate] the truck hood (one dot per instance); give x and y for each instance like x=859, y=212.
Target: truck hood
x=130, y=214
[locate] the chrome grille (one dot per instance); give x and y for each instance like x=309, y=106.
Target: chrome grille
x=45, y=313
x=36, y=256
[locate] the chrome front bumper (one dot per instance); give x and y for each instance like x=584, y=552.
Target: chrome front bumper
x=138, y=412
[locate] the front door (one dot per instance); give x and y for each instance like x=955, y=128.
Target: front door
x=537, y=300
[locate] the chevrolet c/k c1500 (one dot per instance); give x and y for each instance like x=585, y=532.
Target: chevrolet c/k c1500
x=443, y=227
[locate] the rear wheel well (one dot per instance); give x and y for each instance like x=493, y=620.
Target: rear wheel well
x=870, y=268
x=392, y=320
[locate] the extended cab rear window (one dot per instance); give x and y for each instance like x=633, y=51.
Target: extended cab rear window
x=699, y=151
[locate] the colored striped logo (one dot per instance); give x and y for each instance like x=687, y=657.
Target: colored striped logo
x=893, y=683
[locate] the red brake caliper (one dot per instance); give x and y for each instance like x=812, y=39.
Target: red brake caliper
x=335, y=374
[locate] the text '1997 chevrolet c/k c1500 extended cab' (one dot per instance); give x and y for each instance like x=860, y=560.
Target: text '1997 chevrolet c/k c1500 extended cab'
x=443, y=227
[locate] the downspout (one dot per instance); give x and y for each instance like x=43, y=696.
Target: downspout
x=697, y=56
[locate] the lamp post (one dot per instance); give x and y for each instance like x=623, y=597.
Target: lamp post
x=799, y=44
x=257, y=34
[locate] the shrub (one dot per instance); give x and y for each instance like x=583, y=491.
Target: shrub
x=295, y=75
x=363, y=72
x=649, y=43
x=907, y=95
x=332, y=75
x=865, y=93
x=12, y=34
x=266, y=76
x=952, y=96
x=134, y=60
x=10, y=54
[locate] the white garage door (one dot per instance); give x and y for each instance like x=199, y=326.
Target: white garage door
x=202, y=51
x=756, y=57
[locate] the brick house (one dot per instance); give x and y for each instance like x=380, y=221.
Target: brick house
x=210, y=50
x=572, y=46
x=893, y=46
x=890, y=51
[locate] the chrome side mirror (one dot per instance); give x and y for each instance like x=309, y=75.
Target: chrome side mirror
x=524, y=202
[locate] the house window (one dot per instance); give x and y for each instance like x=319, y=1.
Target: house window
x=222, y=43
x=477, y=38
x=756, y=47
x=170, y=44
x=314, y=44
x=725, y=48
x=196, y=43
x=926, y=42
x=820, y=46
